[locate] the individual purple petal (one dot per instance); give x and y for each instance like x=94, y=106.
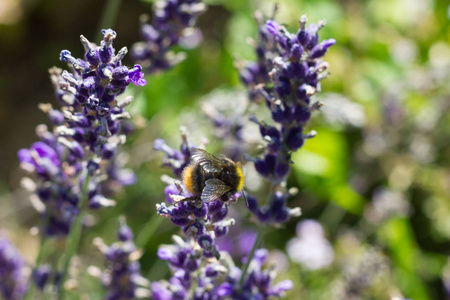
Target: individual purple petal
x=136, y=76
x=272, y=27
x=282, y=286
x=13, y=279
x=225, y=290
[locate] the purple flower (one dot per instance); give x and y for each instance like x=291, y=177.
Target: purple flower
x=42, y=159
x=98, y=80
x=85, y=136
x=272, y=27
x=160, y=292
x=121, y=277
x=171, y=24
x=136, y=76
x=286, y=76
x=13, y=279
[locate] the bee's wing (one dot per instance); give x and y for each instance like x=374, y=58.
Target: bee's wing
x=214, y=188
x=209, y=162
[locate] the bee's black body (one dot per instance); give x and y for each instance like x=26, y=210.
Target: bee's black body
x=211, y=178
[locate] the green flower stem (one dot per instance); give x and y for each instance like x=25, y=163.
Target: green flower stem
x=148, y=230
x=109, y=16
x=73, y=240
x=258, y=241
x=260, y=234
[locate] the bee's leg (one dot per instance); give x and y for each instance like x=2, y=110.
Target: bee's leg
x=191, y=198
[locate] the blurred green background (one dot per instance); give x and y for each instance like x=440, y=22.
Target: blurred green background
x=376, y=177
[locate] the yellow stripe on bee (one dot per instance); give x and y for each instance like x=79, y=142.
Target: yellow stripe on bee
x=241, y=178
x=187, y=178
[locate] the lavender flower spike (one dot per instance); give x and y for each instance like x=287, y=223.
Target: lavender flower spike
x=85, y=136
x=99, y=79
x=172, y=23
x=75, y=164
x=287, y=74
x=121, y=278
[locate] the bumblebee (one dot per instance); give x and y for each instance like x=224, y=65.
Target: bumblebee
x=209, y=177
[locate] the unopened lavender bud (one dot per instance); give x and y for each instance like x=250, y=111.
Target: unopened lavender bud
x=76, y=149
x=320, y=49
x=278, y=114
x=215, y=206
x=296, y=52
x=314, y=37
x=66, y=56
x=125, y=234
x=201, y=211
x=225, y=290
x=180, y=221
x=206, y=242
x=221, y=214
x=252, y=203
x=179, y=212
x=108, y=150
x=211, y=271
x=93, y=166
x=191, y=264
x=263, y=214
x=282, y=215
x=106, y=50
x=171, y=189
x=165, y=253
x=41, y=275
x=303, y=36
x=282, y=170
x=120, y=73
x=56, y=117
x=161, y=145
x=195, y=229
x=298, y=70
x=221, y=231
x=284, y=87
x=294, y=138
x=92, y=57
x=277, y=202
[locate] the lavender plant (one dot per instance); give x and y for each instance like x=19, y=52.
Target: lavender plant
x=172, y=23
x=196, y=279
x=72, y=163
x=121, y=277
x=288, y=74
x=289, y=71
